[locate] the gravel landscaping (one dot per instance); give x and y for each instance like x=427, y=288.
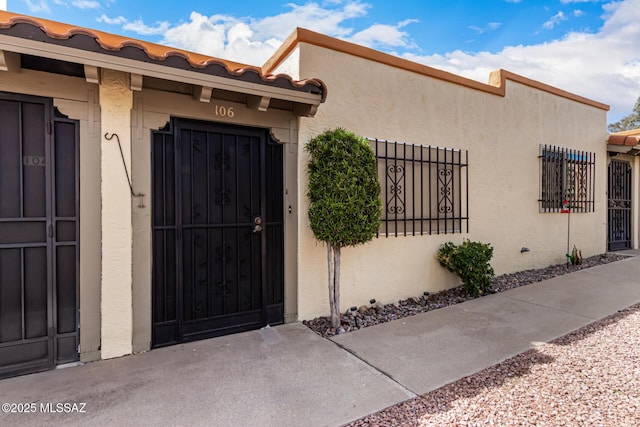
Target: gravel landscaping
x=590, y=377
x=377, y=313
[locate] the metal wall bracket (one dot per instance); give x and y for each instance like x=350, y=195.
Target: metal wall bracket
x=140, y=196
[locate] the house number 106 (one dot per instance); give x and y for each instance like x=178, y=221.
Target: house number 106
x=224, y=111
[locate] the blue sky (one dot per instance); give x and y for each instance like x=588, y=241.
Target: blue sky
x=589, y=47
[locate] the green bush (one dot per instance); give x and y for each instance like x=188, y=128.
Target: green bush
x=344, y=191
x=470, y=261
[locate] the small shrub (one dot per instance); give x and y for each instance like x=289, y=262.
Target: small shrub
x=575, y=257
x=470, y=261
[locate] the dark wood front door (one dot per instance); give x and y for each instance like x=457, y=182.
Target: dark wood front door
x=217, y=231
x=38, y=235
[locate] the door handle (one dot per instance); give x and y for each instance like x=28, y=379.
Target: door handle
x=257, y=224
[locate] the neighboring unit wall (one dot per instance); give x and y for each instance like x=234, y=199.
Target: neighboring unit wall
x=79, y=101
x=502, y=136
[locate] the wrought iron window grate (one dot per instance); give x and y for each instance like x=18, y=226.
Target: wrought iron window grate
x=424, y=189
x=567, y=179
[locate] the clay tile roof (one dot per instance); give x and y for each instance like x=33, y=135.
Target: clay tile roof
x=114, y=44
x=630, y=138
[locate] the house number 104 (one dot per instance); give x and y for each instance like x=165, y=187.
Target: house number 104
x=224, y=111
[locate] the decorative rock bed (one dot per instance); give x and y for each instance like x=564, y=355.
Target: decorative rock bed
x=378, y=313
x=589, y=377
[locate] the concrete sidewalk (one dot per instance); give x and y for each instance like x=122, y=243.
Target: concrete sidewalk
x=427, y=351
x=288, y=376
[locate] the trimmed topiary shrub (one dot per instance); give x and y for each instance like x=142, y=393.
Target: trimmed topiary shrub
x=344, y=199
x=470, y=261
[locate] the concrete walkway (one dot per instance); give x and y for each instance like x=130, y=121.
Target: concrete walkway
x=288, y=376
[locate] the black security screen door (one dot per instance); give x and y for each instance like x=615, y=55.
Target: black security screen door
x=619, y=212
x=38, y=236
x=217, y=231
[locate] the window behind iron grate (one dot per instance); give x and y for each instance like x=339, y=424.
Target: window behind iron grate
x=567, y=179
x=424, y=189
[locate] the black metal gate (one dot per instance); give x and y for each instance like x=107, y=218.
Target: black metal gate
x=619, y=215
x=218, y=244
x=38, y=235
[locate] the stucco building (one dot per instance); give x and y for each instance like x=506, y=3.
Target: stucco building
x=150, y=196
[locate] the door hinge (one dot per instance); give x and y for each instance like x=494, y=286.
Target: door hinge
x=51, y=230
x=49, y=128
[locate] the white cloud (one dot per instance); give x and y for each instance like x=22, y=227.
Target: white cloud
x=222, y=36
x=141, y=28
x=86, y=4
x=491, y=26
x=3, y=4
x=137, y=26
x=603, y=66
x=554, y=20
x=513, y=1
x=253, y=41
x=38, y=6
x=201, y=34
x=311, y=16
x=383, y=35
x=388, y=35
x=120, y=20
x=578, y=13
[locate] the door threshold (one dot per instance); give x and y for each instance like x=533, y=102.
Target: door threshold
x=69, y=365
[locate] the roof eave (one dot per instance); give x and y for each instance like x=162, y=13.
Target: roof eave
x=626, y=142
x=69, y=54
x=20, y=34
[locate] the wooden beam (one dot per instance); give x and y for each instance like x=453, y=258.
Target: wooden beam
x=202, y=93
x=305, y=110
x=135, y=82
x=260, y=103
x=92, y=74
x=9, y=61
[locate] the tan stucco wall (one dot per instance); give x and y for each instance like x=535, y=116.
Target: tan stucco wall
x=78, y=100
x=502, y=135
x=152, y=110
x=117, y=325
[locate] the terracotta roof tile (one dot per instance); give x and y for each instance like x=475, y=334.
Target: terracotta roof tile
x=628, y=138
x=115, y=43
